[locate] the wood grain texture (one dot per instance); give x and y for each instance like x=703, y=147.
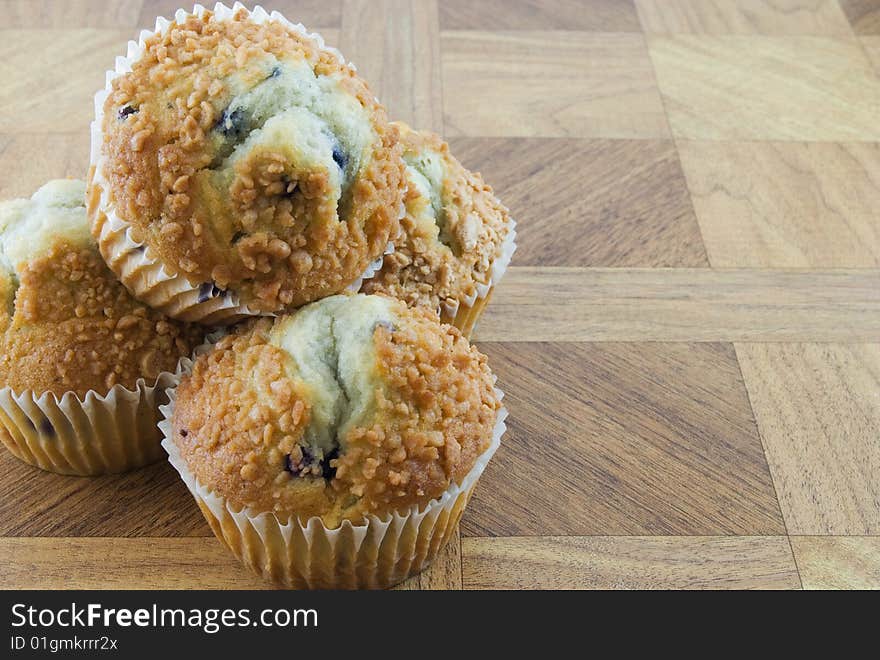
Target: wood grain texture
x=66, y=68
x=314, y=14
x=629, y=563
x=631, y=413
x=592, y=15
x=37, y=158
x=331, y=36
x=769, y=17
x=443, y=574
x=767, y=88
x=864, y=15
x=117, y=563
x=603, y=562
x=70, y=14
x=872, y=48
x=786, y=204
x=598, y=304
x=623, y=439
x=818, y=410
x=158, y=563
x=636, y=210
x=148, y=502
x=396, y=46
x=838, y=562
x=549, y=84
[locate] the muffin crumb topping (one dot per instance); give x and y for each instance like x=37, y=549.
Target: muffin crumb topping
x=246, y=155
x=411, y=415
x=69, y=325
x=453, y=230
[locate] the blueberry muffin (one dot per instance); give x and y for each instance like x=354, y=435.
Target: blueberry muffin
x=240, y=167
x=457, y=237
x=80, y=358
x=352, y=411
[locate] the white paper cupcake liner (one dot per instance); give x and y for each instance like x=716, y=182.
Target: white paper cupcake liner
x=375, y=554
x=96, y=434
x=141, y=272
x=464, y=313
x=374, y=267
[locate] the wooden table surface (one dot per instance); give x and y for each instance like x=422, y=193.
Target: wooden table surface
x=689, y=337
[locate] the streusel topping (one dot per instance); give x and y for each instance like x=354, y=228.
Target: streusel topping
x=246, y=156
x=382, y=411
x=67, y=324
x=453, y=230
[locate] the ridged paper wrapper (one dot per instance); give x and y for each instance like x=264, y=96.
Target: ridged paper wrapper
x=85, y=436
x=375, y=554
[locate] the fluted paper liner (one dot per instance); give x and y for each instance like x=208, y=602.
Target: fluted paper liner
x=464, y=313
x=96, y=434
x=375, y=554
x=141, y=272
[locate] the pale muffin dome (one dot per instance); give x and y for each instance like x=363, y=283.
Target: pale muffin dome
x=30, y=227
x=67, y=324
x=250, y=160
x=352, y=405
x=454, y=231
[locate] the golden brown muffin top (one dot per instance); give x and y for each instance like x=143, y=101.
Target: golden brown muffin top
x=67, y=324
x=453, y=230
x=354, y=405
x=247, y=156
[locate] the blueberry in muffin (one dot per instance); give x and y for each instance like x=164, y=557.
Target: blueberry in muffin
x=69, y=331
x=354, y=405
x=253, y=164
x=457, y=237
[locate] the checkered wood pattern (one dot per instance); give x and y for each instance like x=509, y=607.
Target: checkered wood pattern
x=689, y=337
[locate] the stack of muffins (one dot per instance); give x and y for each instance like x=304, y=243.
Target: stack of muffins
x=266, y=271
